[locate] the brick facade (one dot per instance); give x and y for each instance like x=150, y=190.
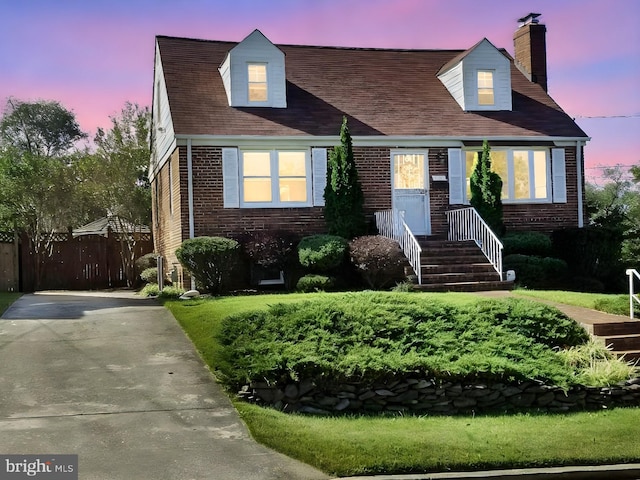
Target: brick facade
x=171, y=205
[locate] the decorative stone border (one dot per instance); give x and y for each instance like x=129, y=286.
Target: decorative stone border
x=419, y=395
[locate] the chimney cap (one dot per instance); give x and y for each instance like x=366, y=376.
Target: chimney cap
x=530, y=18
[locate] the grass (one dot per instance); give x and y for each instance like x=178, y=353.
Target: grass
x=6, y=299
x=374, y=445
x=609, y=303
x=368, y=445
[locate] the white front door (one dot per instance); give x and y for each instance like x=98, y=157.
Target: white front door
x=411, y=189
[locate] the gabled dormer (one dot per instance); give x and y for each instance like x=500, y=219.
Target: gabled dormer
x=253, y=73
x=479, y=78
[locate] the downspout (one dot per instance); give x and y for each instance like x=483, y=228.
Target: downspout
x=190, y=196
x=579, y=159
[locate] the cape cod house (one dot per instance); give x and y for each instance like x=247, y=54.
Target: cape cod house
x=241, y=132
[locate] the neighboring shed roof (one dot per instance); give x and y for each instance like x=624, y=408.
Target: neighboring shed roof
x=382, y=91
x=102, y=226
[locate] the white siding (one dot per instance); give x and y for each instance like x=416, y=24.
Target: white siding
x=255, y=48
x=461, y=80
x=162, y=122
x=452, y=79
x=225, y=73
x=486, y=57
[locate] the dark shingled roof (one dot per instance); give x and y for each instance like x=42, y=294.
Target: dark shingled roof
x=381, y=91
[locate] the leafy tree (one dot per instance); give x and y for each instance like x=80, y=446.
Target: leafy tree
x=38, y=160
x=616, y=207
x=486, y=191
x=43, y=128
x=116, y=178
x=344, y=200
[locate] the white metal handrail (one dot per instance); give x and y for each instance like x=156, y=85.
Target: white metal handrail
x=467, y=224
x=632, y=296
x=391, y=224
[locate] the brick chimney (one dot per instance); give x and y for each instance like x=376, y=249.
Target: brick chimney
x=530, y=44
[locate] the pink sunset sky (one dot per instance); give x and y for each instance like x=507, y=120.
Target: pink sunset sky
x=93, y=55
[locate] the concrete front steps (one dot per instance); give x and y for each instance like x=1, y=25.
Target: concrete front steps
x=457, y=267
x=623, y=338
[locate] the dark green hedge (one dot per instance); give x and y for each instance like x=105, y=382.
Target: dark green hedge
x=365, y=336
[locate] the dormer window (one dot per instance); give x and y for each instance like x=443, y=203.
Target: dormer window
x=485, y=88
x=257, y=74
x=479, y=78
x=253, y=74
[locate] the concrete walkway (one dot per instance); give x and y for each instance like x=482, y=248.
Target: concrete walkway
x=112, y=377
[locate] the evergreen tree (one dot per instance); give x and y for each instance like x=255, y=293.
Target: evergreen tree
x=343, y=195
x=486, y=191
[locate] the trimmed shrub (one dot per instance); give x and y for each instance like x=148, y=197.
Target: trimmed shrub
x=150, y=275
x=171, y=292
x=268, y=249
x=527, y=243
x=211, y=260
x=378, y=259
x=149, y=260
x=537, y=272
x=592, y=252
x=322, y=253
x=150, y=290
x=315, y=283
x=542, y=323
x=368, y=336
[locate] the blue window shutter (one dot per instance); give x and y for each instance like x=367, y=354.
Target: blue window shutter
x=230, y=178
x=558, y=169
x=319, y=168
x=456, y=177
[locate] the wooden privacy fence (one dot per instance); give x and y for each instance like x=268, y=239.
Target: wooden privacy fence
x=9, y=263
x=87, y=262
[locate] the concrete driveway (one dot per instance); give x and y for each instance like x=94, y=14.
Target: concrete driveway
x=112, y=377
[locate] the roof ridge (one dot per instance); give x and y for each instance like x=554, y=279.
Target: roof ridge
x=323, y=47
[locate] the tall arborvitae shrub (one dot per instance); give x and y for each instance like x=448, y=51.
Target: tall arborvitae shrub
x=486, y=191
x=344, y=200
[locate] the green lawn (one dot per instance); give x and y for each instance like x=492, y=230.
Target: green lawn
x=374, y=445
x=401, y=444
x=609, y=303
x=6, y=299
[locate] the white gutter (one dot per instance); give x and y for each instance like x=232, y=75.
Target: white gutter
x=579, y=145
x=190, y=195
x=190, y=189
x=362, y=140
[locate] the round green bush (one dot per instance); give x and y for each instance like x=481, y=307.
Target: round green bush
x=322, y=253
x=148, y=260
x=537, y=272
x=150, y=275
x=527, y=243
x=314, y=283
x=150, y=290
x=211, y=260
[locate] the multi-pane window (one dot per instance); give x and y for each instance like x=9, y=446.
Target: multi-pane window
x=257, y=74
x=275, y=178
x=525, y=174
x=485, y=88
